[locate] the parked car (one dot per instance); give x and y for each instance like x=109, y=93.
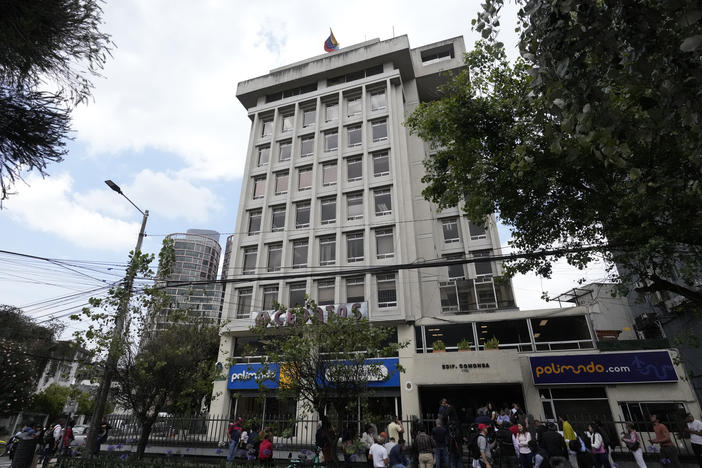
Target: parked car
x=80, y=436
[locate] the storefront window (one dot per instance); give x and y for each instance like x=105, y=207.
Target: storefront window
x=581, y=405
x=561, y=333
x=512, y=334
x=246, y=346
x=671, y=413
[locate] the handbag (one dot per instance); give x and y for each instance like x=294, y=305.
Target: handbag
x=634, y=447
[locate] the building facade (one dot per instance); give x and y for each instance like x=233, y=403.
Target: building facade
x=333, y=184
x=197, y=255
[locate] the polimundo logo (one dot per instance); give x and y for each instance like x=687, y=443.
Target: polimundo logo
x=246, y=375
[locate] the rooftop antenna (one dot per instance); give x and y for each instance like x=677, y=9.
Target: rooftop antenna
x=393, y=31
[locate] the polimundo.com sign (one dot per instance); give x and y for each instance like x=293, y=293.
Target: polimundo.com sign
x=605, y=368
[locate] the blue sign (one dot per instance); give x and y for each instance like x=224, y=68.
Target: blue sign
x=248, y=376
x=606, y=368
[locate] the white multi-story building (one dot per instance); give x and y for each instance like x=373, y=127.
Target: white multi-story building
x=332, y=186
x=197, y=253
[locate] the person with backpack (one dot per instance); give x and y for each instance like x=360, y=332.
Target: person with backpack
x=455, y=446
x=541, y=459
x=582, y=451
x=67, y=439
x=633, y=442
x=233, y=435
x=484, y=446
x=265, y=450
x=553, y=442
x=597, y=446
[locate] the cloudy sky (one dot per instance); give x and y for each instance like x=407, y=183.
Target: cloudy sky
x=165, y=125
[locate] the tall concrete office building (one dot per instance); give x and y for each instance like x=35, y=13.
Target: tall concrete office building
x=197, y=254
x=332, y=185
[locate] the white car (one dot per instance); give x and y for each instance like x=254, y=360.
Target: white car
x=80, y=436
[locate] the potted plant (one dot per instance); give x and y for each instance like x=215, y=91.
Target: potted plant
x=492, y=343
x=438, y=347
x=464, y=345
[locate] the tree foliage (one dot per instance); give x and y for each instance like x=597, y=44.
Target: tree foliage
x=324, y=362
x=159, y=370
x=592, y=138
x=25, y=348
x=18, y=375
x=170, y=372
x=49, y=52
x=52, y=399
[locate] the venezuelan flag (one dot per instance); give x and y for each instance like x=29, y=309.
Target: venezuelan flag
x=330, y=45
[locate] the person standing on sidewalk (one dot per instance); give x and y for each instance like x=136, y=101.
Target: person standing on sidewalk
x=633, y=441
x=424, y=445
x=668, y=449
x=694, y=428
x=440, y=435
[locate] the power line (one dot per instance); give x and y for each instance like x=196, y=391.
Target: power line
x=416, y=265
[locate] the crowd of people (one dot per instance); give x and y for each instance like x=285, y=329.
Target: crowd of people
x=504, y=438
x=509, y=437
x=47, y=442
x=249, y=444
x=55, y=440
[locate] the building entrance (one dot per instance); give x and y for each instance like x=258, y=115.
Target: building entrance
x=466, y=399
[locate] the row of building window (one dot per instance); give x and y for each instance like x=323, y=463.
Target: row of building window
x=329, y=176
x=543, y=334
x=355, y=252
x=451, y=230
x=306, y=143
x=382, y=203
x=352, y=103
x=324, y=294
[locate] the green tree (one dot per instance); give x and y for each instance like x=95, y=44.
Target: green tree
x=170, y=372
x=591, y=138
x=18, y=376
x=51, y=49
x=53, y=398
x=324, y=363
x=25, y=348
x=160, y=370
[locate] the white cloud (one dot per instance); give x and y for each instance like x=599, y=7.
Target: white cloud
x=528, y=288
x=173, y=197
x=48, y=206
x=91, y=219
x=172, y=80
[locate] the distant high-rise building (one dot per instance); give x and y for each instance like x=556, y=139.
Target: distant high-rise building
x=197, y=254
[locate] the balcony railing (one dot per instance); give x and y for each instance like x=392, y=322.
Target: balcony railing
x=627, y=345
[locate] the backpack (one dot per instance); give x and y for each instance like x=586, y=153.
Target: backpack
x=453, y=445
x=234, y=431
x=473, y=447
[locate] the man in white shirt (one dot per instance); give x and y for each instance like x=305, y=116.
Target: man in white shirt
x=389, y=444
x=58, y=435
x=378, y=454
x=694, y=427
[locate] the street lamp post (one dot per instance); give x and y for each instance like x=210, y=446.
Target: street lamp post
x=117, y=335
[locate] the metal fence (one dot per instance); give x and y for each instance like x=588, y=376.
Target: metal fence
x=291, y=434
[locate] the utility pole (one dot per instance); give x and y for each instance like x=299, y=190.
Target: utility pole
x=114, y=353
